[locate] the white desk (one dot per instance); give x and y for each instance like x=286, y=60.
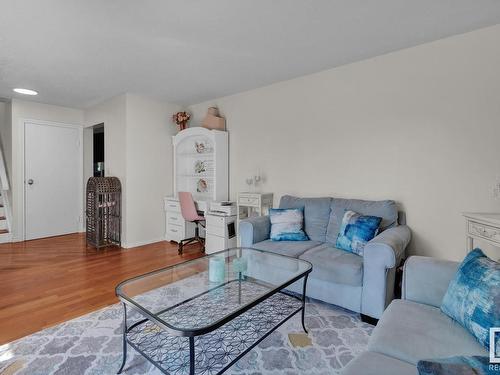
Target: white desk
x=483, y=226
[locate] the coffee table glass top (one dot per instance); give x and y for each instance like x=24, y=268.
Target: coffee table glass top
x=202, y=294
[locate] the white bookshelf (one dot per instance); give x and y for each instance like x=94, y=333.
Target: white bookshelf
x=201, y=163
x=200, y=167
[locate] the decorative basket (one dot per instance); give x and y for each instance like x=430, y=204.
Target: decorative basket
x=213, y=121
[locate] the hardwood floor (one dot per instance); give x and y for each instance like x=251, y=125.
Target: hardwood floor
x=45, y=282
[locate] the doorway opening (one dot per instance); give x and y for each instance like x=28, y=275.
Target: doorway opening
x=98, y=150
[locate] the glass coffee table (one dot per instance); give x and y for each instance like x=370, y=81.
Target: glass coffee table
x=201, y=316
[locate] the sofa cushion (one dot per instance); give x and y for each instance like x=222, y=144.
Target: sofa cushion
x=335, y=265
x=387, y=210
x=411, y=331
x=370, y=363
x=290, y=248
x=316, y=214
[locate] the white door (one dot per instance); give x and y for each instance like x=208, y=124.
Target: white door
x=53, y=180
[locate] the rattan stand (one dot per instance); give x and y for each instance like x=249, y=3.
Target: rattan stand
x=103, y=212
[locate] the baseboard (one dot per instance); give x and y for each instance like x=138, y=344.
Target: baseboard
x=369, y=319
x=129, y=245
x=6, y=238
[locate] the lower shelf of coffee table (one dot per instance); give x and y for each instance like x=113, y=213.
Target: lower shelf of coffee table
x=217, y=350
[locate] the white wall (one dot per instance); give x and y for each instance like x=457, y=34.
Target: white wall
x=88, y=155
x=137, y=149
x=6, y=134
x=113, y=113
x=421, y=126
x=149, y=167
x=22, y=110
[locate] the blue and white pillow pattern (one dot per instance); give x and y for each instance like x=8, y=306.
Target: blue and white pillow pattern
x=454, y=365
x=287, y=224
x=473, y=296
x=356, y=230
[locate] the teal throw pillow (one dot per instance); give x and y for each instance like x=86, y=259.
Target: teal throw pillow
x=473, y=296
x=356, y=230
x=474, y=365
x=287, y=224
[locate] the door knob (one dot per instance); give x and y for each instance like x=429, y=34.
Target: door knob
x=30, y=181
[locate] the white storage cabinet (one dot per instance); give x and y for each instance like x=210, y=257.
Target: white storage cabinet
x=200, y=167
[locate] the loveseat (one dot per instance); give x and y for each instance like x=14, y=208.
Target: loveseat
x=364, y=284
x=414, y=328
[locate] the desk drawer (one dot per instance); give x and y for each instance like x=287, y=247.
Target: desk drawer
x=173, y=206
x=249, y=201
x=484, y=231
x=215, y=221
x=175, y=232
x=174, y=218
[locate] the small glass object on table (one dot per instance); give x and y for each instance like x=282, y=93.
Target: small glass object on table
x=216, y=269
x=184, y=323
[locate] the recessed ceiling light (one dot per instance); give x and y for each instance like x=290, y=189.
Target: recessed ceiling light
x=25, y=91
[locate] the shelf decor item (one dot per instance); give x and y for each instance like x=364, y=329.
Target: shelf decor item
x=181, y=119
x=213, y=121
x=202, y=186
x=199, y=166
x=103, y=211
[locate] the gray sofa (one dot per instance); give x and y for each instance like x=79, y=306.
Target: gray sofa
x=361, y=284
x=414, y=327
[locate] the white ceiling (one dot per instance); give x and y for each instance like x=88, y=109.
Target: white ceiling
x=80, y=52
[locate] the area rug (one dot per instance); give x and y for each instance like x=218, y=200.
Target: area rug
x=92, y=345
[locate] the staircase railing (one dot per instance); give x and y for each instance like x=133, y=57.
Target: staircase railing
x=5, y=190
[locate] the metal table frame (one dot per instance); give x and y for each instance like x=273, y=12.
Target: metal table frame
x=192, y=333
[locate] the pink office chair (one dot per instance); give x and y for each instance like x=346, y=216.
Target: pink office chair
x=189, y=213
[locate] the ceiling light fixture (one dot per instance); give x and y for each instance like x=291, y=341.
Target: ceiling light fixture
x=25, y=91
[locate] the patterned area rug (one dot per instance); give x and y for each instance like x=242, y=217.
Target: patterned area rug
x=92, y=345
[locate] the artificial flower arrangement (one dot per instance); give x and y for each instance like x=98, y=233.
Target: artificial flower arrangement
x=181, y=119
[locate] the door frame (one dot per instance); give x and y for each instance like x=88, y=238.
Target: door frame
x=23, y=166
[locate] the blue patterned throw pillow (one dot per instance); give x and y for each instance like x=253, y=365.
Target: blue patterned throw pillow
x=474, y=365
x=287, y=224
x=473, y=296
x=356, y=230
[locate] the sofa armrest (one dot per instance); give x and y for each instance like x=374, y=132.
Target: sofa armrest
x=381, y=256
x=426, y=279
x=254, y=229
x=388, y=248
